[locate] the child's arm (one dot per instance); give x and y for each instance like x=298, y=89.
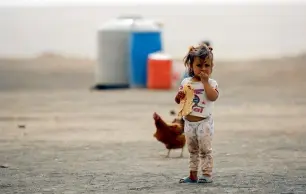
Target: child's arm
x=211, y=90
x=210, y=87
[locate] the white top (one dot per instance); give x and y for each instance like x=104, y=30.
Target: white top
x=202, y=106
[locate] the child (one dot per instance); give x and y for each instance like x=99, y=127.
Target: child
x=186, y=74
x=198, y=126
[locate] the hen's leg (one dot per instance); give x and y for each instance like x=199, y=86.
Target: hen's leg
x=168, y=153
x=182, y=152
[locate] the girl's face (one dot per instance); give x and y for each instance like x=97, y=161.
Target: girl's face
x=202, y=65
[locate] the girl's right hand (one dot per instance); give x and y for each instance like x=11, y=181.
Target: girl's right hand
x=180, y=95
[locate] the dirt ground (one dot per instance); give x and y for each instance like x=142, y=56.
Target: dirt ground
x=57, y=136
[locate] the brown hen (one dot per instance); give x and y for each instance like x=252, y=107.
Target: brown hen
x=170, y=134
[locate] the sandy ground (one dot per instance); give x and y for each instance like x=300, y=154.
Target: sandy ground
x=57, y=136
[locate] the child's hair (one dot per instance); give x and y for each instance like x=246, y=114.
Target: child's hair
x=202, y=51
x=206, y=42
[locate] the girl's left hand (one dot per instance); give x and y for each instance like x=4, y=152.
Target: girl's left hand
x=204, y=76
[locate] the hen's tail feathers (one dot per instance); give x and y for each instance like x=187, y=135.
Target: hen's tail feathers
x=160, y=123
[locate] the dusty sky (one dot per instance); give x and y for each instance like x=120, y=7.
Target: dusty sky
x=236, y=30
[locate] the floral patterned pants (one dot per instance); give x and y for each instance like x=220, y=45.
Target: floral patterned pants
x=198, y=138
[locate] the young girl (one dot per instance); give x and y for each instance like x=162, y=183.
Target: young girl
x=186, y=74
x=198, y=126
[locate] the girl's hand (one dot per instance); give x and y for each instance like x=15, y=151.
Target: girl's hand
x=204, y=76
x=180, y=95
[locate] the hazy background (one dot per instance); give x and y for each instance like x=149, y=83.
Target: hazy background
x=59, y=136
x=237, y=31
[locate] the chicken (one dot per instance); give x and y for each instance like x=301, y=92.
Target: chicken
x=170, y=134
